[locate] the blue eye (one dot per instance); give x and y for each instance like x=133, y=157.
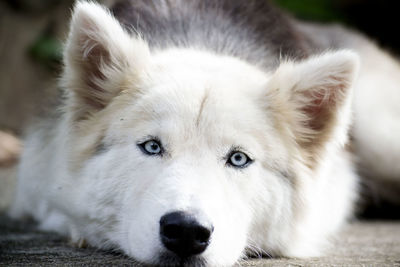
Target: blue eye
x=239, y=159
x=151, y=147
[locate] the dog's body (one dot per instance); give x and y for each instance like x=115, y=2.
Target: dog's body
x=209, y=123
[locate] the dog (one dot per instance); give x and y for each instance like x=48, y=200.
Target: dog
x=199, y=132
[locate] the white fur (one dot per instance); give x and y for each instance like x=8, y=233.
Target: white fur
x=287, y=202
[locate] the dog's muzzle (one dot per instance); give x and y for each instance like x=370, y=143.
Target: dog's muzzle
x=182, y=234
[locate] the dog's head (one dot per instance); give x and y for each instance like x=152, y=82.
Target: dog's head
x=185, y=156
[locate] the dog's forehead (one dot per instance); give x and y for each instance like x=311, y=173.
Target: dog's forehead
x=201, y=87
x=187, y=66
x=198, y=96
x=189, y=78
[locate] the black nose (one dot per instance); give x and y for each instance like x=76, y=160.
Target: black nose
x=182, y=234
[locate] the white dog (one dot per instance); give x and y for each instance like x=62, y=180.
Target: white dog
x=195, y=132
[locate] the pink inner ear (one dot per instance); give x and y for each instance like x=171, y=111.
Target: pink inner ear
x=94, y=57
x=321, y=106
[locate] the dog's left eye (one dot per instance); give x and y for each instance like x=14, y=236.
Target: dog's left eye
x=239, y=159
x=151, y=147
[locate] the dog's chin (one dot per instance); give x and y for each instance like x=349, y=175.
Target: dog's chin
x=170, y=259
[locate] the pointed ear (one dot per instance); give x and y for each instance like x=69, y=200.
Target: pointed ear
x=98, y=56
x=315, y=96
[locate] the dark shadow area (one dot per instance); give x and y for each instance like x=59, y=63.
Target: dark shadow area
x=377, y=19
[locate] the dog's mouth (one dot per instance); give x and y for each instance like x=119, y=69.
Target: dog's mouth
x=172, y=260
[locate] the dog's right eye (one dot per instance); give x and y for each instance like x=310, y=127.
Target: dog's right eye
x=151, y=147
x=238, y=159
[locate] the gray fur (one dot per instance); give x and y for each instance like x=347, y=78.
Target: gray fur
x=252, y=30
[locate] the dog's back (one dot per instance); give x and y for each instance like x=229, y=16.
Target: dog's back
x=252, y=30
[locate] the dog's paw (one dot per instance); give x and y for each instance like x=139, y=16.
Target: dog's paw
x=10, y=149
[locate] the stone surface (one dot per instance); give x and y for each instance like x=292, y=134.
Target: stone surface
x=367, y=244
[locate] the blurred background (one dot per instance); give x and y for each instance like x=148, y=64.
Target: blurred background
x=32, y=32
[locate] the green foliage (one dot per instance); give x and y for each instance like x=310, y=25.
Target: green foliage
x=47, y=50
x=318, y=10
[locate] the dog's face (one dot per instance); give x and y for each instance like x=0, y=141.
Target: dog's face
x=184, y=156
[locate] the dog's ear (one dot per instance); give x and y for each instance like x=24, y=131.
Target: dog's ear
x=99, y=56
x=314, y=96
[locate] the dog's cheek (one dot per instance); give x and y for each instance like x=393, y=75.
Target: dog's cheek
x=228, y=241
x=139, y=237
x=91, y=196
x=273, y=217
x=143, y=205
x=101, y=188
x=229, y=207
